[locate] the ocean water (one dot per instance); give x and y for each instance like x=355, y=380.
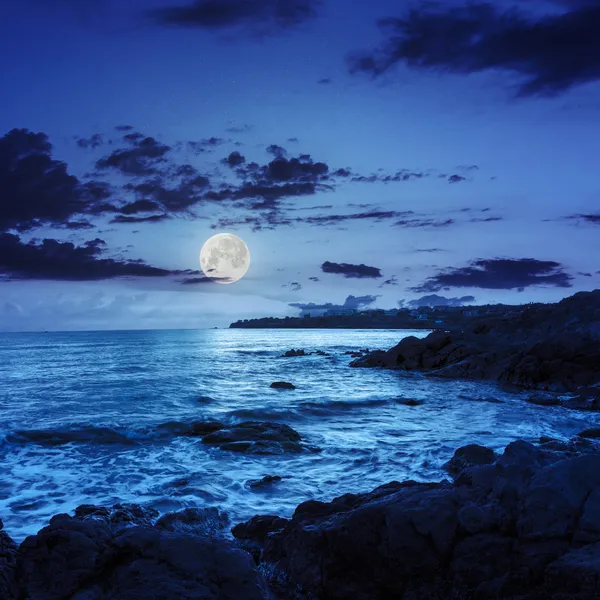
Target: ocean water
x=80, y=416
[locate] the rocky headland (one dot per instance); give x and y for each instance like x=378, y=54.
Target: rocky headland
x=549, y=347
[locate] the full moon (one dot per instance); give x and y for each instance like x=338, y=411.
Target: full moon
x=225, y=258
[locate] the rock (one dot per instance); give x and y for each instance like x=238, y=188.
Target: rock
x=189, y=429
x=516, y=520
x=549, y=347
x=293, y=352
x=8, y=562
x=590, y=433
x=541, y=400
x=576, y=574
x=283, y=385
x=469, y=456
x=197, y=521
x=257, y=528
x=409, y=401
x=267, y=480
x=257, y=437
x=83, y=558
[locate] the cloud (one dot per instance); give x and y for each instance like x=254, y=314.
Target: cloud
x=143, y=157
x=124, y=128
x=95, y=141
x=351, y=302
x=410, y=223
x=277, y=151
x=36, y=189
x=148, y=219
x=435, y=300
x=456, y=178
x=593, y=218
x=549, y=54
x=235, y=159
x=254, y=16
x=351, y=271
x=375, y=215
x=324, y=81
x=313, y=279
x=391, y=281
x=199, y=280
x=293, y=286
x=499, y=274
x=55, y=260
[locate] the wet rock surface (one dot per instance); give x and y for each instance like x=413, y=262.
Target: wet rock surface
x=550, y=347
x=125, y=553
x=257, y=437
x=523, y=524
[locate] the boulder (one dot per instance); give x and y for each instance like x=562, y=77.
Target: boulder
x=294, y=352
x=86, y=558
x=266, y=481
x=470, y=456
x=283, y=385
x=257, y=437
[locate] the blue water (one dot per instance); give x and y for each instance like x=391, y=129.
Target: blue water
x=116, y=387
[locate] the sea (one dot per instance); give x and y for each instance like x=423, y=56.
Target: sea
x=94, y=418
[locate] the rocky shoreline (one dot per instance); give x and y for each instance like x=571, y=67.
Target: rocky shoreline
x=551, y=347
x=521, y=525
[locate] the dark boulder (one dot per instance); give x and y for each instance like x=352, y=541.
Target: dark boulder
x=266, y=481
x=87, y=557
x=283, y=385
x=294, y=352
x=470, y=456
x=257, y=437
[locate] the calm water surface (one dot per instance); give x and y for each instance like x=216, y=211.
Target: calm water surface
x=111, y=390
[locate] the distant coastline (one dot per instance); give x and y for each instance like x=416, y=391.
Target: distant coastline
x=448, y=318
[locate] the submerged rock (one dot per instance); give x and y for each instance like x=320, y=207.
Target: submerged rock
x=283, y=385
x=294, y=352
x=257, y=437
x=267, y=480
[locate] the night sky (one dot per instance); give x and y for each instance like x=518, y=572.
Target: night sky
x=366, y=152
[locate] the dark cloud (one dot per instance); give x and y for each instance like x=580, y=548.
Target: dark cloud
x=549, y=53
x=148, y=219
x=435, y=300
x=277, y=151
x=198, y=280
x=293, y=286
x=499, y=274
x=391, y=281
x=36, y=189
x=79, y=225
x=94, y=141
x=593, y=218
x=351, y=302
x=456, y=178
x=235, y=159
x=124, y=128
x=143, y=157
x=56, y=260
x=428, y=250
x=313, y=279
x=256, y=16
x=375, y=215
x=351, y=271
x=424, y=223
x=324, y=81
x=140, y=206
